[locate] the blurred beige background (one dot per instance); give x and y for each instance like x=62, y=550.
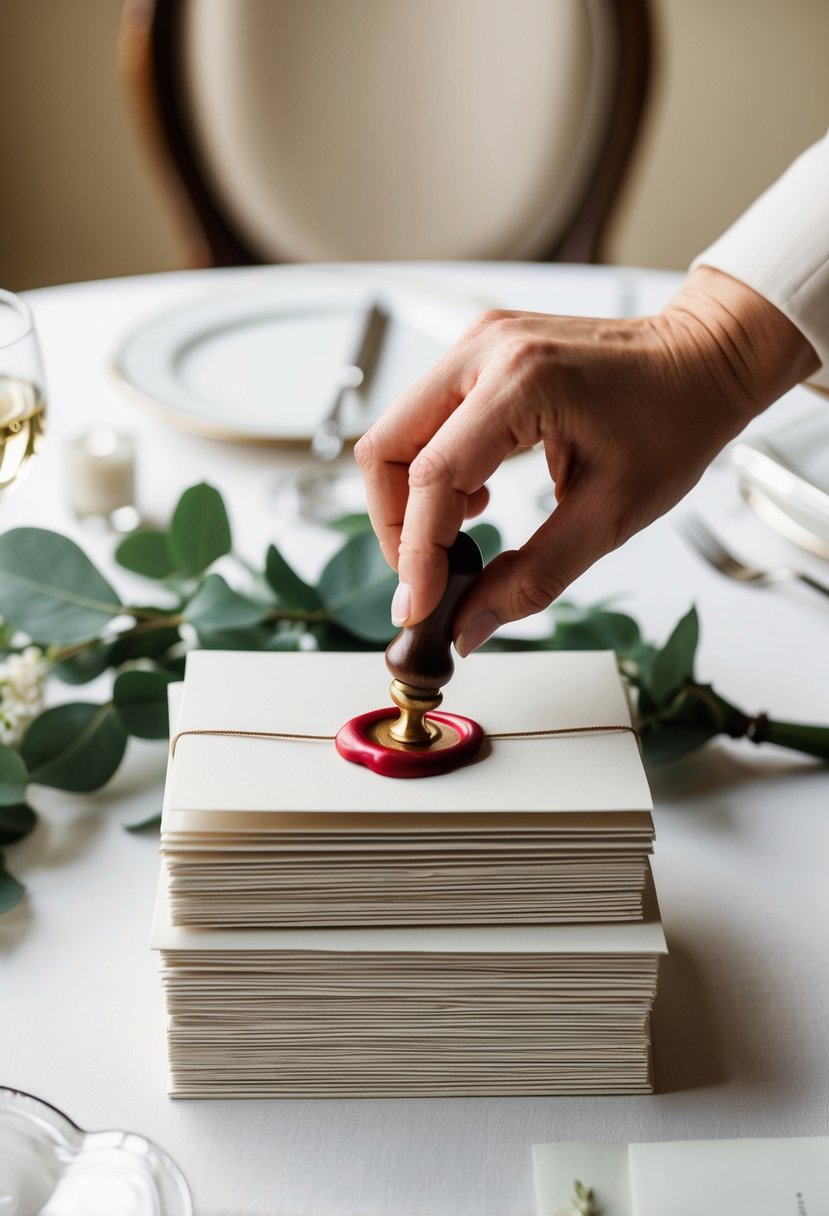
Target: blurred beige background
x=742, y=87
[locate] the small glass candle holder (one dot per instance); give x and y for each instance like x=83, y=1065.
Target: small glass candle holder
x=100, y=474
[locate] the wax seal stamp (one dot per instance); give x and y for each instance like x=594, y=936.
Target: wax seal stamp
x=416, y=739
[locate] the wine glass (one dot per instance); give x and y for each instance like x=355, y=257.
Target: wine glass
x=22, y=390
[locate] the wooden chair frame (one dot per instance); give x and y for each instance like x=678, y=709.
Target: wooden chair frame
x=150, y=52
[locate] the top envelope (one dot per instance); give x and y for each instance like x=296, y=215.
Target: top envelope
x=228, y=783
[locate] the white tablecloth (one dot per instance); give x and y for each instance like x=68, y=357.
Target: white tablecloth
x=742, y=1019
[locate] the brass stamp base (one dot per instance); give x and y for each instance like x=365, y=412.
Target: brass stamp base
x=440, y=737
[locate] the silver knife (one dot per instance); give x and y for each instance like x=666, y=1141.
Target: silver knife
x=328, y=440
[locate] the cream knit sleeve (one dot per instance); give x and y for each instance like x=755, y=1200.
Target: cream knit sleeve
x=780, y=248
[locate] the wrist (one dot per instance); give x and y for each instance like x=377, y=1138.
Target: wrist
x=755, y=349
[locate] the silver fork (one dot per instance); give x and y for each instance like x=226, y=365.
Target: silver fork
x=712, y=550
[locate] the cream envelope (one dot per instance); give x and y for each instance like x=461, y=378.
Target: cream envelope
x=216, y=781
x=642, y=938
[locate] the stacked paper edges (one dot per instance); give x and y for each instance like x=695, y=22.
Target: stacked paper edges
x=324, y=930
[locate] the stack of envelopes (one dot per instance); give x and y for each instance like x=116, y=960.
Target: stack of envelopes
x=327, y=930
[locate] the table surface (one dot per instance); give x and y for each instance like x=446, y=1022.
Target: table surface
x=741, y=1024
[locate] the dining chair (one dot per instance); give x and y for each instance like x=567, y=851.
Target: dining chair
x=308, y=130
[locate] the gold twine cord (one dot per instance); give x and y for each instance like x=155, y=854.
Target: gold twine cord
x=506, y=734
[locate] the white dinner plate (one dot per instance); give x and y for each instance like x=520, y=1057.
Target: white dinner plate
x=259, y=364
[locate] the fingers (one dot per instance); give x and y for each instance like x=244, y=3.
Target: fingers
x=476, y=503
x=445, y=486
x=527, y=580
x=385, y=452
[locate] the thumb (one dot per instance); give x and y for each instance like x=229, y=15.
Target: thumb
x=524, y=581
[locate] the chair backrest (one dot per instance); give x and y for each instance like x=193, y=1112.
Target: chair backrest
x=297, y=130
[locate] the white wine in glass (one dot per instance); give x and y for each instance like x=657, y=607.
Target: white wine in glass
x=22, y=390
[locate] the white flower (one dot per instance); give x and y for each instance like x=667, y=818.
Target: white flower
x=22, y=677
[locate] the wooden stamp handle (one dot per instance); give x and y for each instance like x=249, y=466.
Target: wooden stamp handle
x=421, y=656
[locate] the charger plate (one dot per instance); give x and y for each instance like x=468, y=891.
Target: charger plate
x=259, y=364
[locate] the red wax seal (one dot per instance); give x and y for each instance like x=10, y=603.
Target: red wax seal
x=361, y=742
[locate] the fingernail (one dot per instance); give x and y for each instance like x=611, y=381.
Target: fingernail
x=476, y=633
x=401, y=605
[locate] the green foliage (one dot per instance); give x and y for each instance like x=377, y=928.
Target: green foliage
x=52, y=594
x=673, y=667
x=141, y=700
x=599, y=631
x=13, y=776
x=356, y=588
x=290, y=589
x=148, y=553
x=290, y=640
x=141, y=825
x=16, y=822
x=215, y=605
x=85, y=666
x=583, y=1201
x=154, y=641
x=11, y=891
x=200, y=530
x=488, y=539
x=76, y=747
x=350, y=525
x=50, y=590
x=257, y=638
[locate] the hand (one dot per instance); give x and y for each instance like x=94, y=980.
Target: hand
x=630, y=413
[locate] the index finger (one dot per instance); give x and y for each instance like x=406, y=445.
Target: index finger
x=446, y=473
x=387, y=449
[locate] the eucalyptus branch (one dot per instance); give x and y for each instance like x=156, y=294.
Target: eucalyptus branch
x=147, y=625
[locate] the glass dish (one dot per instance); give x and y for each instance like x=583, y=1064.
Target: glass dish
x=784, y=476
x=51, y=1167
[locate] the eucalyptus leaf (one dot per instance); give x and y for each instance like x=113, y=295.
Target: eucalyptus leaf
x=673, y=666
x=289, y=640
x=217, y=606
x=357, y=587
x=565, y=612
x=292, y=591
x=145, y=644
x=351, y=525
x=330, y=636
x=150, y=821
x=50, y=589
x=86, y=666
x=487, y=538
x=501, y=643
x=76, y=747
x=256, y=638
x=16, y=822
x=642, y=657
x=199, y=531
x=13, y=776
x=141, y=700
x=672, y=740
x=600, y=631
x=11, y=891
x=176, y=666
x=147, y=552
